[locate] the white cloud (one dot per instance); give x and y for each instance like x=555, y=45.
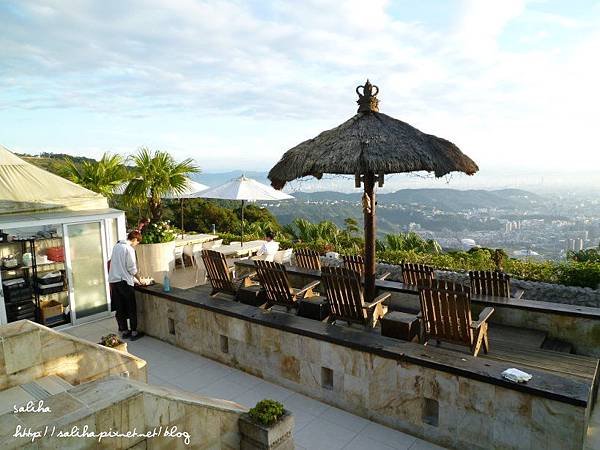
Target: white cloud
x=228, y=76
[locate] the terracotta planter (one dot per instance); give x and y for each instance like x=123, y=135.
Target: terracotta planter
x=154, y=260
x=255, y=436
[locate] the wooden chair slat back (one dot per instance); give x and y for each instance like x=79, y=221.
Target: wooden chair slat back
x=355, y=263
x=412, y=273
x=344, y=292
x=308, y=259
x=217, y=270
x=273, y=278
x=496, y=284
x=447, y=313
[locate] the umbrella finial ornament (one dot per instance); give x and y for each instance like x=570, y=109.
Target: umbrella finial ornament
x=368, y=101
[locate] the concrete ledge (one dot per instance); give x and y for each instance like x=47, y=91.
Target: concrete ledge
x=29, y=351
x=123, y=405
x=448, y=397
x=547, y=385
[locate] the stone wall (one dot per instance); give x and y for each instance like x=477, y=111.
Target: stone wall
x=545, y=292
x=29, y=351
x=123, y=405
x=452, y=410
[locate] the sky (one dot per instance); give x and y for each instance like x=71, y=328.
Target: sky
x=234, y=84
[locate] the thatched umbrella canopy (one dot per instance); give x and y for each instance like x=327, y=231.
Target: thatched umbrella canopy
x=368, y=146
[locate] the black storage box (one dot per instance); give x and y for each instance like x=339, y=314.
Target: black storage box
x=251, y=295
x=49, y=280
x=316, y=308
x=15, y=292
x=20, y=307
x=14, y=284
x=45, y=289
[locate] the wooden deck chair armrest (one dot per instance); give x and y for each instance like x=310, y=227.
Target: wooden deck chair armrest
x=516, y=293
x=483, y=317
x=380, y=298
x=247, y=275
x=384, y=275
x=308, y=287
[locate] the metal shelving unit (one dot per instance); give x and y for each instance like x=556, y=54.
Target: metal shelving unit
x=16, y=300
x=30, y=275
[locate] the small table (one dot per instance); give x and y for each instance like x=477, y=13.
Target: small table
x=237, y=250
x=190, y=239
x=400, y=325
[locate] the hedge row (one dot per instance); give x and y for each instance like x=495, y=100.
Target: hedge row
x=571, y=273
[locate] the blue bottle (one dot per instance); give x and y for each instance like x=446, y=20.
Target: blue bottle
x=166, y=283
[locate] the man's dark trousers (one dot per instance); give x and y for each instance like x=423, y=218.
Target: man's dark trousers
x=123, y=296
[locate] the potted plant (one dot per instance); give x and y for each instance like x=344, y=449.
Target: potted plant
x=267, y=426
x=156, y=253
x=113, y=341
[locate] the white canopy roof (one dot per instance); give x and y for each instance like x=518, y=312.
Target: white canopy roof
x=243, y=188
x=25, y=188
x=191, y=191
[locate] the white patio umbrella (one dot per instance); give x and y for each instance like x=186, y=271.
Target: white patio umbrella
x=191, y=190
x=246, y=190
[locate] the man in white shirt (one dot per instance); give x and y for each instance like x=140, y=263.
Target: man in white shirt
x=269, y=248
x=122, y=276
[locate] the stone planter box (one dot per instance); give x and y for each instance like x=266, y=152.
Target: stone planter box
x=278, y=436
x=155, y=260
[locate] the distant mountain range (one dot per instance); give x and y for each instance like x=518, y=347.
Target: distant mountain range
x=215, y=179
x=446, y=199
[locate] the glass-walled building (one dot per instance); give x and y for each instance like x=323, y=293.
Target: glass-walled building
x=55, y=241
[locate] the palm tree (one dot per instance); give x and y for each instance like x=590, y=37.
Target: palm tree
x=155, y=174
x=409, y=241
x=99, y=176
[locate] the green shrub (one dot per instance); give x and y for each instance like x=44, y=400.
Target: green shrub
x=584, y=274
x=588, y=255
x=267, y=412
x=572, y=273
x=111, y=340
x=158, y=233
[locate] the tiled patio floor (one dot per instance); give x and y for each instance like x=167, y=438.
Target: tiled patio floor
x=318, y=425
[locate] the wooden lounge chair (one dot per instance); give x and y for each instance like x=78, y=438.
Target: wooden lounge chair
x=344, y=291
x=495, y=284
x=412, y=273
x=273, y=278
x=357, y=264
x=221, y=275
x=307, y=259
x=446, y=316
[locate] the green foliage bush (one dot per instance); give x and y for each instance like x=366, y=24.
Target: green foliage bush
x=267, y=412
x=572, y=273
x=588, y=255
x=158, y=233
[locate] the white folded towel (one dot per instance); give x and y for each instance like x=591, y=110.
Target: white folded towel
x=516, y=375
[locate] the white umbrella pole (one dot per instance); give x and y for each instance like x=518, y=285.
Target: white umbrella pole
x=181, y=204
x=242, y=238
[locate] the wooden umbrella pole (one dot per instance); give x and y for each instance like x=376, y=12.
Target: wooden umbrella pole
x=369, y=219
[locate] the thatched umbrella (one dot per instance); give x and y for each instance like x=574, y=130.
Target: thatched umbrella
x=368, y=146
